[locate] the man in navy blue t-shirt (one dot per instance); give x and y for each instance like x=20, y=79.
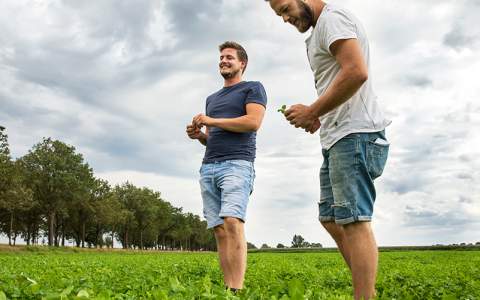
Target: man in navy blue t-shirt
x=233, y=116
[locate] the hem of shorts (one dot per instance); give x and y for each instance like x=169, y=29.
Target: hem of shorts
x=353, y=220
x=220, y=222
x=328, y=145
x=241, y=218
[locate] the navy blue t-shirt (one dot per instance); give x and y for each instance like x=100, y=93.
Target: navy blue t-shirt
x=230, y=102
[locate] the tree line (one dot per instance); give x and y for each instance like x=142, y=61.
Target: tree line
x=297, y=242
x=51, y=195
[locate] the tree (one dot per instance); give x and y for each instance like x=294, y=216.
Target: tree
x=265, y=246
x=280, y=246
x=56, y=174
x=126, y=196
x=298, y=241
x=15, y=198
x=6, y=165
x=107, y=212
x=251, y=246
x=52, y=191
x=6, y=172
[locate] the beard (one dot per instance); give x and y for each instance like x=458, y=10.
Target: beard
x=229, y=74
x=306, y=16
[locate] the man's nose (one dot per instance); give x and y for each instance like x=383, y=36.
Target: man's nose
x=285, y=18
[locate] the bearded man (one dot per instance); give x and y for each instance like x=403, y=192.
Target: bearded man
x=352, y=130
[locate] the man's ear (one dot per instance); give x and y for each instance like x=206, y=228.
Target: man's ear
x=244, y=65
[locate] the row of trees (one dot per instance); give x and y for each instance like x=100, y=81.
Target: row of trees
x=297, y=242
x=52, y=193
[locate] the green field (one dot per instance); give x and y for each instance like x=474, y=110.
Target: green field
x=130, y=275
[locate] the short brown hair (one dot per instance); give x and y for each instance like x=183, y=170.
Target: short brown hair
x=241, y=53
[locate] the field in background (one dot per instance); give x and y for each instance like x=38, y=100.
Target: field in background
x=51, y=274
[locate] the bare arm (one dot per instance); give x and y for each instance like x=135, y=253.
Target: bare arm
x=204, y=137
x=353, y=73
x=247, y=123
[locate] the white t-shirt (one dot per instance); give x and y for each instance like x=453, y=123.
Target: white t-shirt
x=361, y=113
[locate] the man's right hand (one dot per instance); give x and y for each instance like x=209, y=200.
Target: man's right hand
x=315, y=126
x=194, y=132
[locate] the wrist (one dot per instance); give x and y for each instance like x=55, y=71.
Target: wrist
x=211, y=122
x=311, y=112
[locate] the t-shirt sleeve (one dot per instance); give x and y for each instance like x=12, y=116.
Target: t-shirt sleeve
x=207, y=101
x=338, y=26
x=256, y=94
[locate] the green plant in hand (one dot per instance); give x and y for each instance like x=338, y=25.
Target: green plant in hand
x=282, y=109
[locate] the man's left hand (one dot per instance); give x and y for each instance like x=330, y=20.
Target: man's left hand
x=300, y=115
x=200, y=120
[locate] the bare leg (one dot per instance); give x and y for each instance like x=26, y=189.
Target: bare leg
x=222, y=248
x=237, y=251
x=363, y=259
x=338, y=234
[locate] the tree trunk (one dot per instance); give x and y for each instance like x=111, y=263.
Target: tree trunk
x=125, y=239
x=57, y=231
x=34, y=234
x=113, y=235
x=63, y=232
x=141, y=239
x=10, y=232
x=28, y=234
x=51, y=222
x=83, y=234
x=97, y=234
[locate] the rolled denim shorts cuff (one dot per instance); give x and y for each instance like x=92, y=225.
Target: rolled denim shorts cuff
x=232, y=215
x=209, y=226
x=353, y=220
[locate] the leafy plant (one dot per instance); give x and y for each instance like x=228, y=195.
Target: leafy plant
x=287, y=276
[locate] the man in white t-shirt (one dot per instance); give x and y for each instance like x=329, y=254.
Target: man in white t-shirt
x=352, y=130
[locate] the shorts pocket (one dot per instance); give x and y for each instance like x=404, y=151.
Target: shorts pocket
x=241, y=163
x=377, y=153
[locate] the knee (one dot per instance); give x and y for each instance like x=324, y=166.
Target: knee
x=220, y=233
x=233, y=226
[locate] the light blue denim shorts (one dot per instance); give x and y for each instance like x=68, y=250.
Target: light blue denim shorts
x=226, y=186
x=347, y=192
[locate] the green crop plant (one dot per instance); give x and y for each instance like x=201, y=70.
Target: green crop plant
x=295, y=276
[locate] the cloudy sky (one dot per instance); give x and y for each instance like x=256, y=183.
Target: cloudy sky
x=120, y=80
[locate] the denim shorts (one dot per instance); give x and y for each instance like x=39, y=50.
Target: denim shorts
x=350, y=166
x=226, y=186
